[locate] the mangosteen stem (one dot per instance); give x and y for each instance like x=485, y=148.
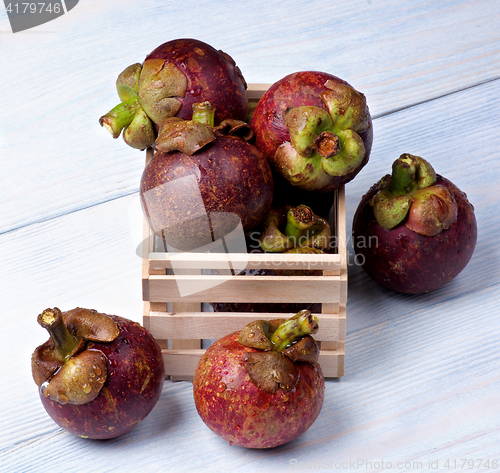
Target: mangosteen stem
x=272, y=239
x=65, y=343
x=403, y=176
x=327, y=144
x=301, y=324
x=299, y=219
x=304, y=228
x=204, y=112
x=121, y=116
x=409, y=173
x=392, y=203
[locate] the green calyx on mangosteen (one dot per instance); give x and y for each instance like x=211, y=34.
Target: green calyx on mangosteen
x=280, y=347
x=410, y=194
x=64, y=369
x=189, y=136
x=294, y=229
x=324, y=144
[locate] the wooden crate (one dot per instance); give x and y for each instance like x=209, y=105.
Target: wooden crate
x=184, y=324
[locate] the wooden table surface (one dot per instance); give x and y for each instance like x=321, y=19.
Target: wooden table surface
x=422, y=382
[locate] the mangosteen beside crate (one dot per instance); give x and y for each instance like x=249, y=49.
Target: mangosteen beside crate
x=176, y=306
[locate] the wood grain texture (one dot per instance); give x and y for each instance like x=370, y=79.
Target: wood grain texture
x=220, y=288
x=421, y=382
x=214, y=325
x=201, y=261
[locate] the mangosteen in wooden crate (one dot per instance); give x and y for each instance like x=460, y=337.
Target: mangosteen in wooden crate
x=184, y=280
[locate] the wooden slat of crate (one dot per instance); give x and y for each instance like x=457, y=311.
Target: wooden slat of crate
x=341, y=232
x=256, y=91
x=302, y=289
x=193, y=261
x=213, y=325
x=180, y=362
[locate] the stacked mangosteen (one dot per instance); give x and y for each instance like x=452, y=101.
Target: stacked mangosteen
x=309, y=134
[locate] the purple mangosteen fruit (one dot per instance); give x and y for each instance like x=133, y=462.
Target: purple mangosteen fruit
x=202, y=183
x=262, y=386
x=99, y=375
x=315, y=129
x=414, y=230
x=171, y=79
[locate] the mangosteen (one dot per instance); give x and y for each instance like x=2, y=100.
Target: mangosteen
x=262, y=386
x=98, y=375
x=201, y=183
x=172, y=78
x=294, y=229
x=315, y=129
x=414, y=231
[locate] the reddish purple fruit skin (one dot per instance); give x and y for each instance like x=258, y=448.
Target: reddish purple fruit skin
x=405, y=261
x=294, y=90
x=239, y=412
x=136, y=374
x=212, y=76
x=233, y=176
